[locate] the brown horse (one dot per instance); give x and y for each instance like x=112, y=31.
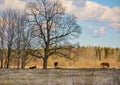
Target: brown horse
x=56, y=64
x=33, y=67
x=105, y=65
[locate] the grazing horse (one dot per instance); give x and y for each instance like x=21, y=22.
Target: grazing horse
x=33, y=67
x=56, y=64
x=105, y=64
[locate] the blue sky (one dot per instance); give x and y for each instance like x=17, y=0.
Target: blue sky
x=99, y=19
x=109, y=36
x=110, y=3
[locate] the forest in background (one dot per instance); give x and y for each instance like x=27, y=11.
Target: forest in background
x=79, y=57
x=83, y=57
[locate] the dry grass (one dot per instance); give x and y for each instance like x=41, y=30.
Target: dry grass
x=82, y=58
x=81, y=63
x=59, y=77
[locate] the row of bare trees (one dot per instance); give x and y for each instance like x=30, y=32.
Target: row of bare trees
x=14, y=35
x=44, y=24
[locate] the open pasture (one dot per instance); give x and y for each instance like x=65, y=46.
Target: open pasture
x=88, y=76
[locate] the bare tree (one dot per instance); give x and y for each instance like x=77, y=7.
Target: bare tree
x=2, y=42
x=51, y=26
x=22, y=39
x=17, y=36
x=26, y=46
x=17, y=41
x=98, y=53
x=9, y=18
x=106, y=52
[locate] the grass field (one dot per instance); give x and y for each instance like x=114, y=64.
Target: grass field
x=64, y=76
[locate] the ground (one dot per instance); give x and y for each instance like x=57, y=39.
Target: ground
x=89, y=76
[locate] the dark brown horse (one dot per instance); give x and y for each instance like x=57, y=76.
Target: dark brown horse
x=56, y=64
x=33, y=67
x=105, y=65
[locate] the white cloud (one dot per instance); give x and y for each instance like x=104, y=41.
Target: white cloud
x=83, y=10
x=101, y=30
x=111, y=15
x=92, y=11
x=17, y=4
x=97, y=32
x=79, y=3
x=68, y=4
x=116, y=26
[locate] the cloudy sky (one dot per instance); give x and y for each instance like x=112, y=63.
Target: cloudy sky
x=99, y=19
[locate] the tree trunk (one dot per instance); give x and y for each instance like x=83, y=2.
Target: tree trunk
x=2, y=62
x=23, y=64
x=45, y=63
x=99, y=58
x=23, y=61
x=8, y=57
x=1, y=58
x=18, y=62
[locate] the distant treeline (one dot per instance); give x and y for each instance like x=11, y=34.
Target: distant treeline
x=75, y=54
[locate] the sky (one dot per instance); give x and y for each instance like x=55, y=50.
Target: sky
x=99, y=20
